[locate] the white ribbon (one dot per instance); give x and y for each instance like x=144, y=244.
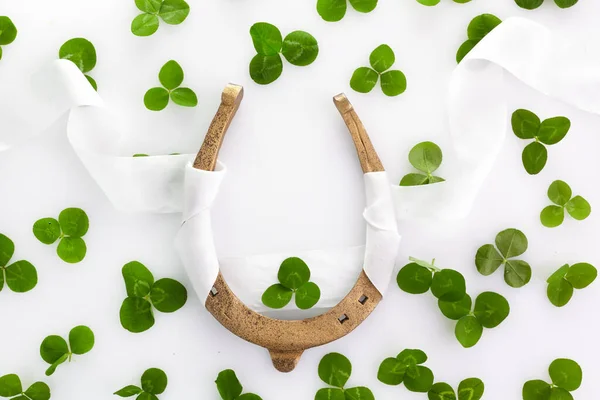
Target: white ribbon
x=478, y=112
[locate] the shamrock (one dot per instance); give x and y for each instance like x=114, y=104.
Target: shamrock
x=406, y=367
x=533, y=4
x=230, y=388
x=10, y=386
x=55, y=350
x=8, y=32
x=560, y=193
x=20, y=276
x=71, y=226
x=173, y=12
x=83, y=54
x=420, y=276
x=478, y=28
x=166, y=295
x=335, y=370
x=294, y=276
x=468, y=389
x=566, y=278
x=490, y=310
x=334, y=10
x=526, y=125
x=382, y=58
x=427, y=158
x=154, y=381
x=510, y=243
x=171, y=77
x=566, y=376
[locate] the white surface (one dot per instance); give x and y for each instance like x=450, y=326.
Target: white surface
x=300, y=143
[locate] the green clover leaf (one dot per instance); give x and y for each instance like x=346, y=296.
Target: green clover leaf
x=510, y=243
x=335, y=10
x=335, y=369
x=20, y=276
x=83, y=54
x=171, y=77
x=393, y=82
x=293, y=276
x=172, y=12
x=153, y=382
x=230, y=388
x=143, y=293
x=561, y=284
x=55, y=350
x=71, y=226
x=478, y=28
x=560, y=194
x=566, y=376
x=8, y=32
x=426, y=157
x=405, y=368
x=471, y=389
x=533, y=4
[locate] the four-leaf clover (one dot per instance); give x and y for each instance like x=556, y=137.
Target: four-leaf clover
x=166, y=295
x=490, y=310
x=173, y=12
x=71, y=226
x=11, y=386
x=171, y=77
x=299, y=48
x=478, y=28
x=55, y=350
x=294, y=276
x=510, y=243
x=562, y=282
x=560, y=193
x=468, y=389
x=154, y=382
x=427, y=158
x=334, y=10
x=20, y=276
x=406, y=367
x=230, y=388
x=526, y=125
x=393, y=82
x=8, y=32
x=335, y=370
x=566, y=376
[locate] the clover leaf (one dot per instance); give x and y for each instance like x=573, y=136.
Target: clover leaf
x=230, y=388
x=335, y=10
x=468, y=389
x=71, y=226
x=381, y=59
x=8, y=32
x=20, y=276
x=172, y=12
x=299, y=48
x=533, y=4
x=171, y=77
x=83, y=54
x=431, y=3
x=335, y=370
x=526, y=125
x=566, y=376
x=406, y=368
x=510, y=243
x=478, y=28
x=490, y=310
x=143, y=293
x=562, y=283
x=55, y=350
x=426, y=157
x=561, y=195
x=293, y=276
x=154, y=381
x=419, y=277
x=11, y=386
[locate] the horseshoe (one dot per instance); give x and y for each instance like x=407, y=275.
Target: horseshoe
x=287, y=340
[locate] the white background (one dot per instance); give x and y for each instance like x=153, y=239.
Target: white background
x=293, y=183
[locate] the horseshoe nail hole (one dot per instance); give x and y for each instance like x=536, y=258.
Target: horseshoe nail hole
x=343, y=318
x=214, y=292
x=363, y=299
